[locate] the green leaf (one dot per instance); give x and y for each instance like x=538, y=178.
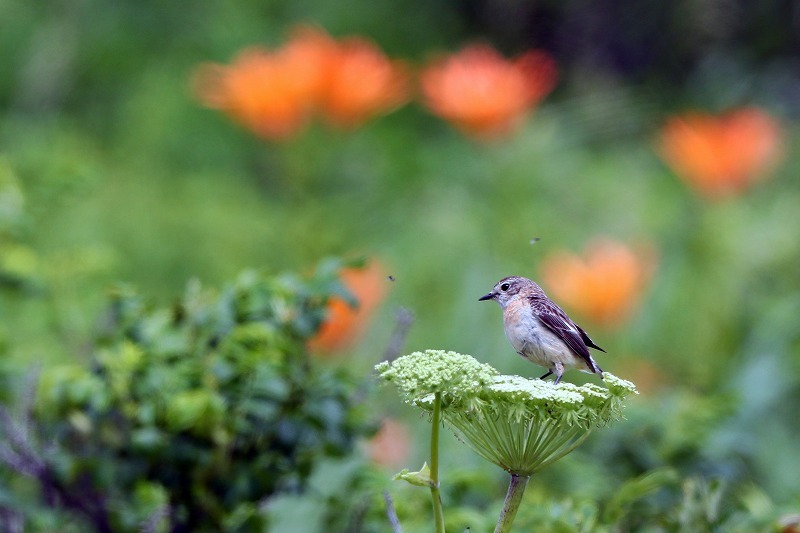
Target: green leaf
x=198, y=409
x=422, y=478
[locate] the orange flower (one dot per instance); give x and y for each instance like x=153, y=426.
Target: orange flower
x=345, y=323
x=721, y=155
x=309, y=55
x=273, y=92
x=484, y=94
x=362, y=82
x=390, y=446
x=605, y=285
x=649, y=378
x=258, y=90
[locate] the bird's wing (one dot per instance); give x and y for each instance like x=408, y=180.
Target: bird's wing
x=559, y=323
x=588, y=341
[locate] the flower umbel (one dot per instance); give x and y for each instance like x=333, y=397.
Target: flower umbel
x=429, y=380
x=523, y=425
x=519, y=424
x=421, y=374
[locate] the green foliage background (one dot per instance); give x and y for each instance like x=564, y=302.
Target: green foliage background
x=110, y=171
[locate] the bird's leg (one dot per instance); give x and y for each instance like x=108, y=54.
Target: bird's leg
x=559, y=372
x=548, y=373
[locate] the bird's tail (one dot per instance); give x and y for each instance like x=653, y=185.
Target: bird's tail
x=596, y=368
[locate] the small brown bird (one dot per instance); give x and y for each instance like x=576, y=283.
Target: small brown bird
x=539, y=330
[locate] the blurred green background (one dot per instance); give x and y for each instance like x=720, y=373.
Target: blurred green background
x=111, y=171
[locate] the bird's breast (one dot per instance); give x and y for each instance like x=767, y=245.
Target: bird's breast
x=521, y=326
x=533, y=340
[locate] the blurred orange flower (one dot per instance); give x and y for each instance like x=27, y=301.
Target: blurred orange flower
x=273, y=92
x=604, y=285
x=362, y=82
x=482, y=93
x=390, y=446
x=260, y=90
x=309, y=55
x=649, y=378
x=721, y=155
x=345, y=323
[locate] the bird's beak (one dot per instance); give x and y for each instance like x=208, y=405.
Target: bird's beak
x=486, y=297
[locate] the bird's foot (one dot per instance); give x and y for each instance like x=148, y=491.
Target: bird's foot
x=559, y=368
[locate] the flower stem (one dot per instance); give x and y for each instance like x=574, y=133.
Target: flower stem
x=516, y=488
x=438, y=515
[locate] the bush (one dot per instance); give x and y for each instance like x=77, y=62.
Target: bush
x=195, y=414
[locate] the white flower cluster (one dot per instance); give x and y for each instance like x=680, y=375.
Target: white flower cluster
x=618, y=386
x=422, y=373
x=520, y=424
x=517, y=388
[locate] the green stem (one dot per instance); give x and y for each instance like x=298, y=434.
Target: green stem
x=516, y=488
x=438, y=515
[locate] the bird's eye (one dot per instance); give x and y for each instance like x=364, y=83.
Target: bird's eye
x=504, y=287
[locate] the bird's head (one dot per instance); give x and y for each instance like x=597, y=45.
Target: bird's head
x=508, y=288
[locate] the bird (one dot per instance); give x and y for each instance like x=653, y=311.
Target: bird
x=540, y=331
